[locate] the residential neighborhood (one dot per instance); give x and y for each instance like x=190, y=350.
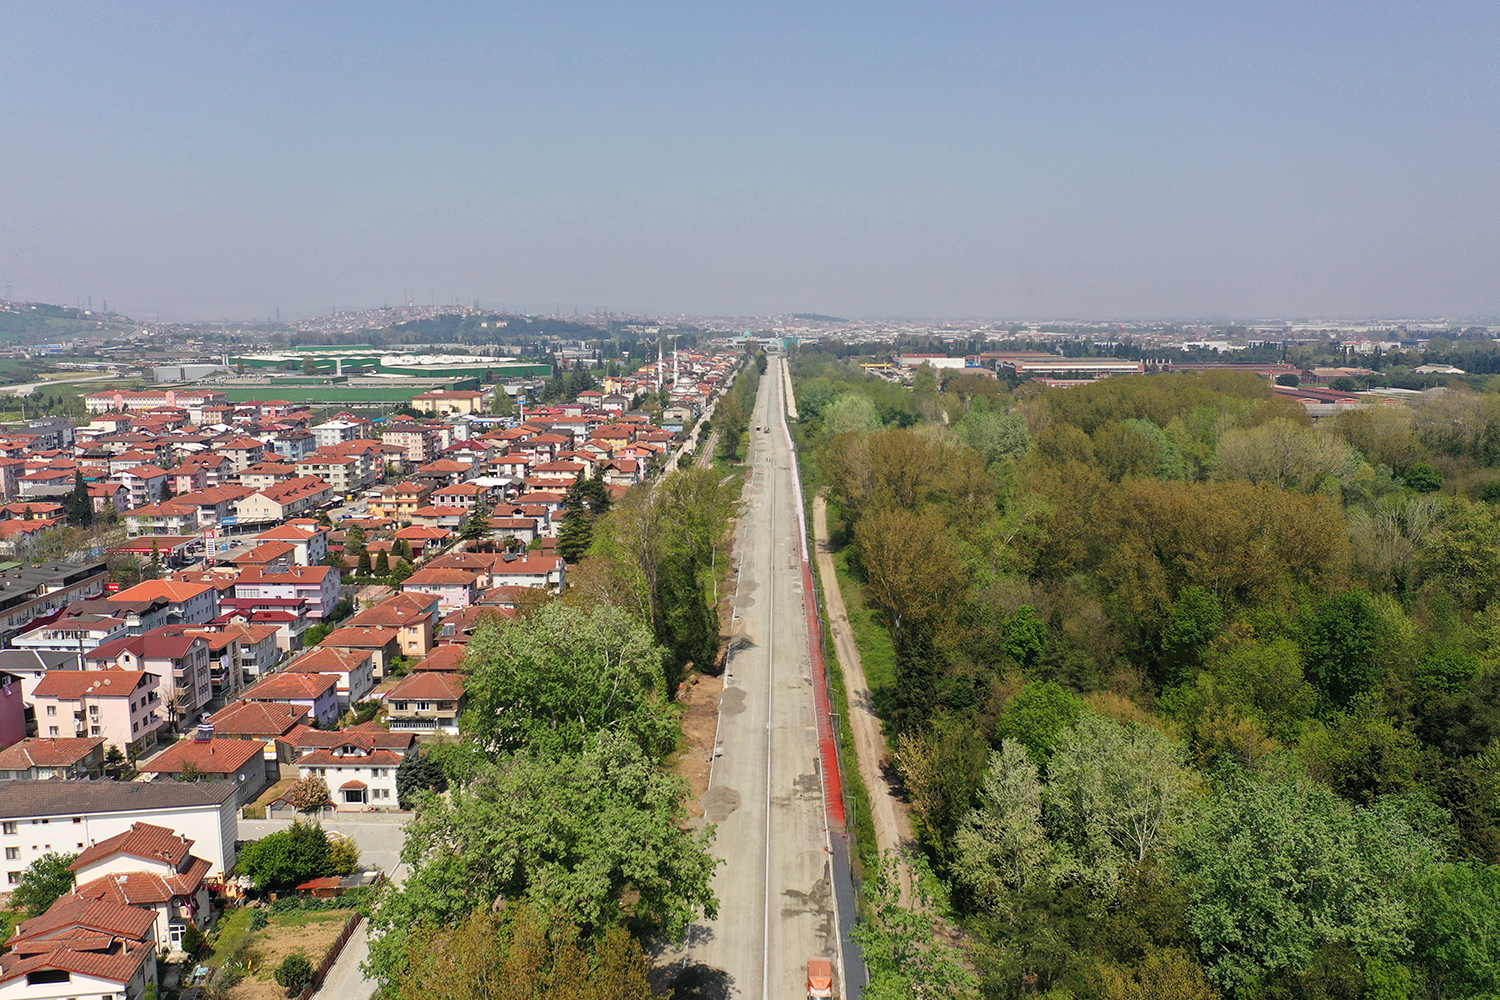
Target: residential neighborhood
x=287, y=605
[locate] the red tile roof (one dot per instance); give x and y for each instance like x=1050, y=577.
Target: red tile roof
x=48, y=752
x=74, y=684
x=209, y=756
x=257, y=718
x=142, y=840
x=427, y=685
x=103, y=916
x=286, y=686
x=136, y=888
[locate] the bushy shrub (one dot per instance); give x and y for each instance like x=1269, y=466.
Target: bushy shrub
x=294, y=974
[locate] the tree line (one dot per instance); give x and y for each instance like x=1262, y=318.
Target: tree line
x=1192, y=697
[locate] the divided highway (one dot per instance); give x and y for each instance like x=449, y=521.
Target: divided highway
x=785, y=877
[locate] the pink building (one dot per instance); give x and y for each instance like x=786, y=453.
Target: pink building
x=120, y=705
x=454, y=588
x=12, y=710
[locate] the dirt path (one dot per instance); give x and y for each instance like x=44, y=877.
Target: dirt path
x=705, y=459
x=893, y=830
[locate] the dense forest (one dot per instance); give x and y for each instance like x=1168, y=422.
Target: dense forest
x=1191, y=697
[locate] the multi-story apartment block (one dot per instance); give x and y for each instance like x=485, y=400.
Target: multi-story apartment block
x=117, y=704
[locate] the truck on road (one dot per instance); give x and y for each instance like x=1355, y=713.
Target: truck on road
x=819, y=979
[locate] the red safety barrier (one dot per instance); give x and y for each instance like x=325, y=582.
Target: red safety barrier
x=833, y=783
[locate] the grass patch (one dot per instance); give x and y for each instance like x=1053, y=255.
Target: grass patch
x=229, y=937
x=876, y=653
x=865, y=847
x=301, y=918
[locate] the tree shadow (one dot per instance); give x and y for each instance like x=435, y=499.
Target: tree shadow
x=699, y=982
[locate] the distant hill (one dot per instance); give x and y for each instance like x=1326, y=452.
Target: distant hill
x=40, y=323
x=818, y=318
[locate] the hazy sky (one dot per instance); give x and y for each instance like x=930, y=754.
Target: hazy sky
x=1110, y=159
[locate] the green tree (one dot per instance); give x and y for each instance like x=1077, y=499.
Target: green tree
x=1195, y=620
x=1457, y=930
x=400, y=572
x=364, y=568
x=1343, y=642
x=42, y=882
x=1423, y=478
x=418, y=774
x=382, y=564
x=1361, y=755
x=1282, y=453
x=598, y=834
x=1119, y=792
x=343, y=854
x=477, y=523
x=1279, y=870
x=530, y=952
x=577, y=531
x=1039, y=717
x=1025, y=637
x=115, y=762
x=1463, y=555
x=294, y=974
x=905, y=956
x=1001, y=847
x=80, y=506
x=851, y=413
x=286, y=858
x=561, y=674
x=996, y=436
x=354, y=543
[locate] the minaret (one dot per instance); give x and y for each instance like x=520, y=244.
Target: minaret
x=674, y=362
x=659, y=364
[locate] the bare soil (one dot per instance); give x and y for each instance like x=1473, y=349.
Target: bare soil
x=700, y=694
x=700, y=724
x=312, y=934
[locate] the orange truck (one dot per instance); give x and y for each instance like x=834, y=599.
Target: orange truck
x=819, y=978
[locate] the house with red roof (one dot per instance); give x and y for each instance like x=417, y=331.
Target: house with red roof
x=42, y=757
x=354, y=668
x=80, y=947
x=180, y=660
x=187, y=603
x=413, y=616
x=265, y=722
x=359, y=767
x=531, y=569
x=316, y=694
x=151, y=867
x=239, y=761
x=427, y=701
x=383, y=644
x=421, y=538
x=453, y=587
x=320, y=586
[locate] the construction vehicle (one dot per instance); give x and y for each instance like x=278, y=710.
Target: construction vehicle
x=819, y=979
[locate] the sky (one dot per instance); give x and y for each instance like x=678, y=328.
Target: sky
x=1109, y=160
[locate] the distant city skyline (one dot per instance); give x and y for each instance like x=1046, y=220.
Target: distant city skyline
x=1090, y=161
